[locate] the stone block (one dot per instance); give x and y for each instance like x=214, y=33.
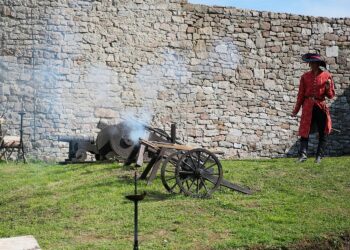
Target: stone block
x=205, y=31
x=332, y=51
x=177, y=19
x=200, y=46
x=225, y=144
x=235, y=132
x=245, y=74
x=260, y=43
x=250, y=44
x=19, y=243
x=305, y=32
x=270, y=84
x=331, y=37
x=323, y=28
x=259, y=73
x=265, y=25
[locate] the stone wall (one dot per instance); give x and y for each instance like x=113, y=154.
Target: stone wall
x=227, y=77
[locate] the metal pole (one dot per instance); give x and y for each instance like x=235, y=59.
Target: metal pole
x=21, y=144
x=173, y=133
x=33, y=73
x=136, y=241
x=136, y=198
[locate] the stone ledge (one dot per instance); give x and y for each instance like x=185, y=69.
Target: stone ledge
x=27, y=242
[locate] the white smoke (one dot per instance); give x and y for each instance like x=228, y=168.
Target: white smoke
x=149, y=82
x=137, y=123
x=160, y=85
x=102, y=84
x=226, y=54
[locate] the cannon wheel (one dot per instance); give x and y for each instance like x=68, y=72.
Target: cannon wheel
x=198, y=173
x=168, y=172
x=81, y=155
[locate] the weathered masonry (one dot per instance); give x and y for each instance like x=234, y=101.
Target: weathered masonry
x=227, y=77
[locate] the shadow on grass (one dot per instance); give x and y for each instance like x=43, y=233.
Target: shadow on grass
x=87, y=167
x=42, y=194
x=120, y=180
x=106, y=169
x=153, y=196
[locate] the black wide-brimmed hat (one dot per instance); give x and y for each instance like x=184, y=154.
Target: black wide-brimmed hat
x=313, y=57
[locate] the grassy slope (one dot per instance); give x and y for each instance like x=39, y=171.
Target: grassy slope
x=83, y=206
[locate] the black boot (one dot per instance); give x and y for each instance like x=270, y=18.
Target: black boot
x=320, y=149
x=303, y=149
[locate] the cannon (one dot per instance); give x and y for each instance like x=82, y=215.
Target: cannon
x=119, y=142
x=78, y=147
x=185, y=169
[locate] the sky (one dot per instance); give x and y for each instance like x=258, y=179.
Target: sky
x=325, y=8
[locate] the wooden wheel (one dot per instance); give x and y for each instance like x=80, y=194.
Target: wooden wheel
x=198, y=173
x=168, y=172
x=81, y=155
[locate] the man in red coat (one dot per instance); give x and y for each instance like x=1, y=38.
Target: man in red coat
x=315, y=85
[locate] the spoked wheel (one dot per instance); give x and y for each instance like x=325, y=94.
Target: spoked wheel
x=81, y=155
x=168, y=172
x=198, y=173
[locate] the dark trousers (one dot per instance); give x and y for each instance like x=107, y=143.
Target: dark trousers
x=319, y=119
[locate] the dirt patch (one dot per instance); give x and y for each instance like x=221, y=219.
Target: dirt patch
x=329, y=242
x=8, y=170
x=91, y=238
x=341, y=242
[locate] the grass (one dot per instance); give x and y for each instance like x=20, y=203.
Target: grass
x=83, y=207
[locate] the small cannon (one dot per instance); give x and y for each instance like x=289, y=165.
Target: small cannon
x=184, y=169
x=118, y=142
x=78, y=147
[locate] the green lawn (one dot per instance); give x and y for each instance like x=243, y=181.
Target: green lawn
x=83, y=207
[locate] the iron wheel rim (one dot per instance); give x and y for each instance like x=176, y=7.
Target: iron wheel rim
x=198, y=173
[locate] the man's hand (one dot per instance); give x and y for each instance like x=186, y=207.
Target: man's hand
x=328, y=84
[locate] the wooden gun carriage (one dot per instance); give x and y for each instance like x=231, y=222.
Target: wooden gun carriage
x=196, y=172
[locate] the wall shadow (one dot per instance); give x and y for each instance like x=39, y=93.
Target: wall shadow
x=338, y=141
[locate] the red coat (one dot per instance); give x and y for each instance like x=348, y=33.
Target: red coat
x=312, y=91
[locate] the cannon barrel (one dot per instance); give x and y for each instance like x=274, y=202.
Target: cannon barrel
x=80, y=138
x=78, y=147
